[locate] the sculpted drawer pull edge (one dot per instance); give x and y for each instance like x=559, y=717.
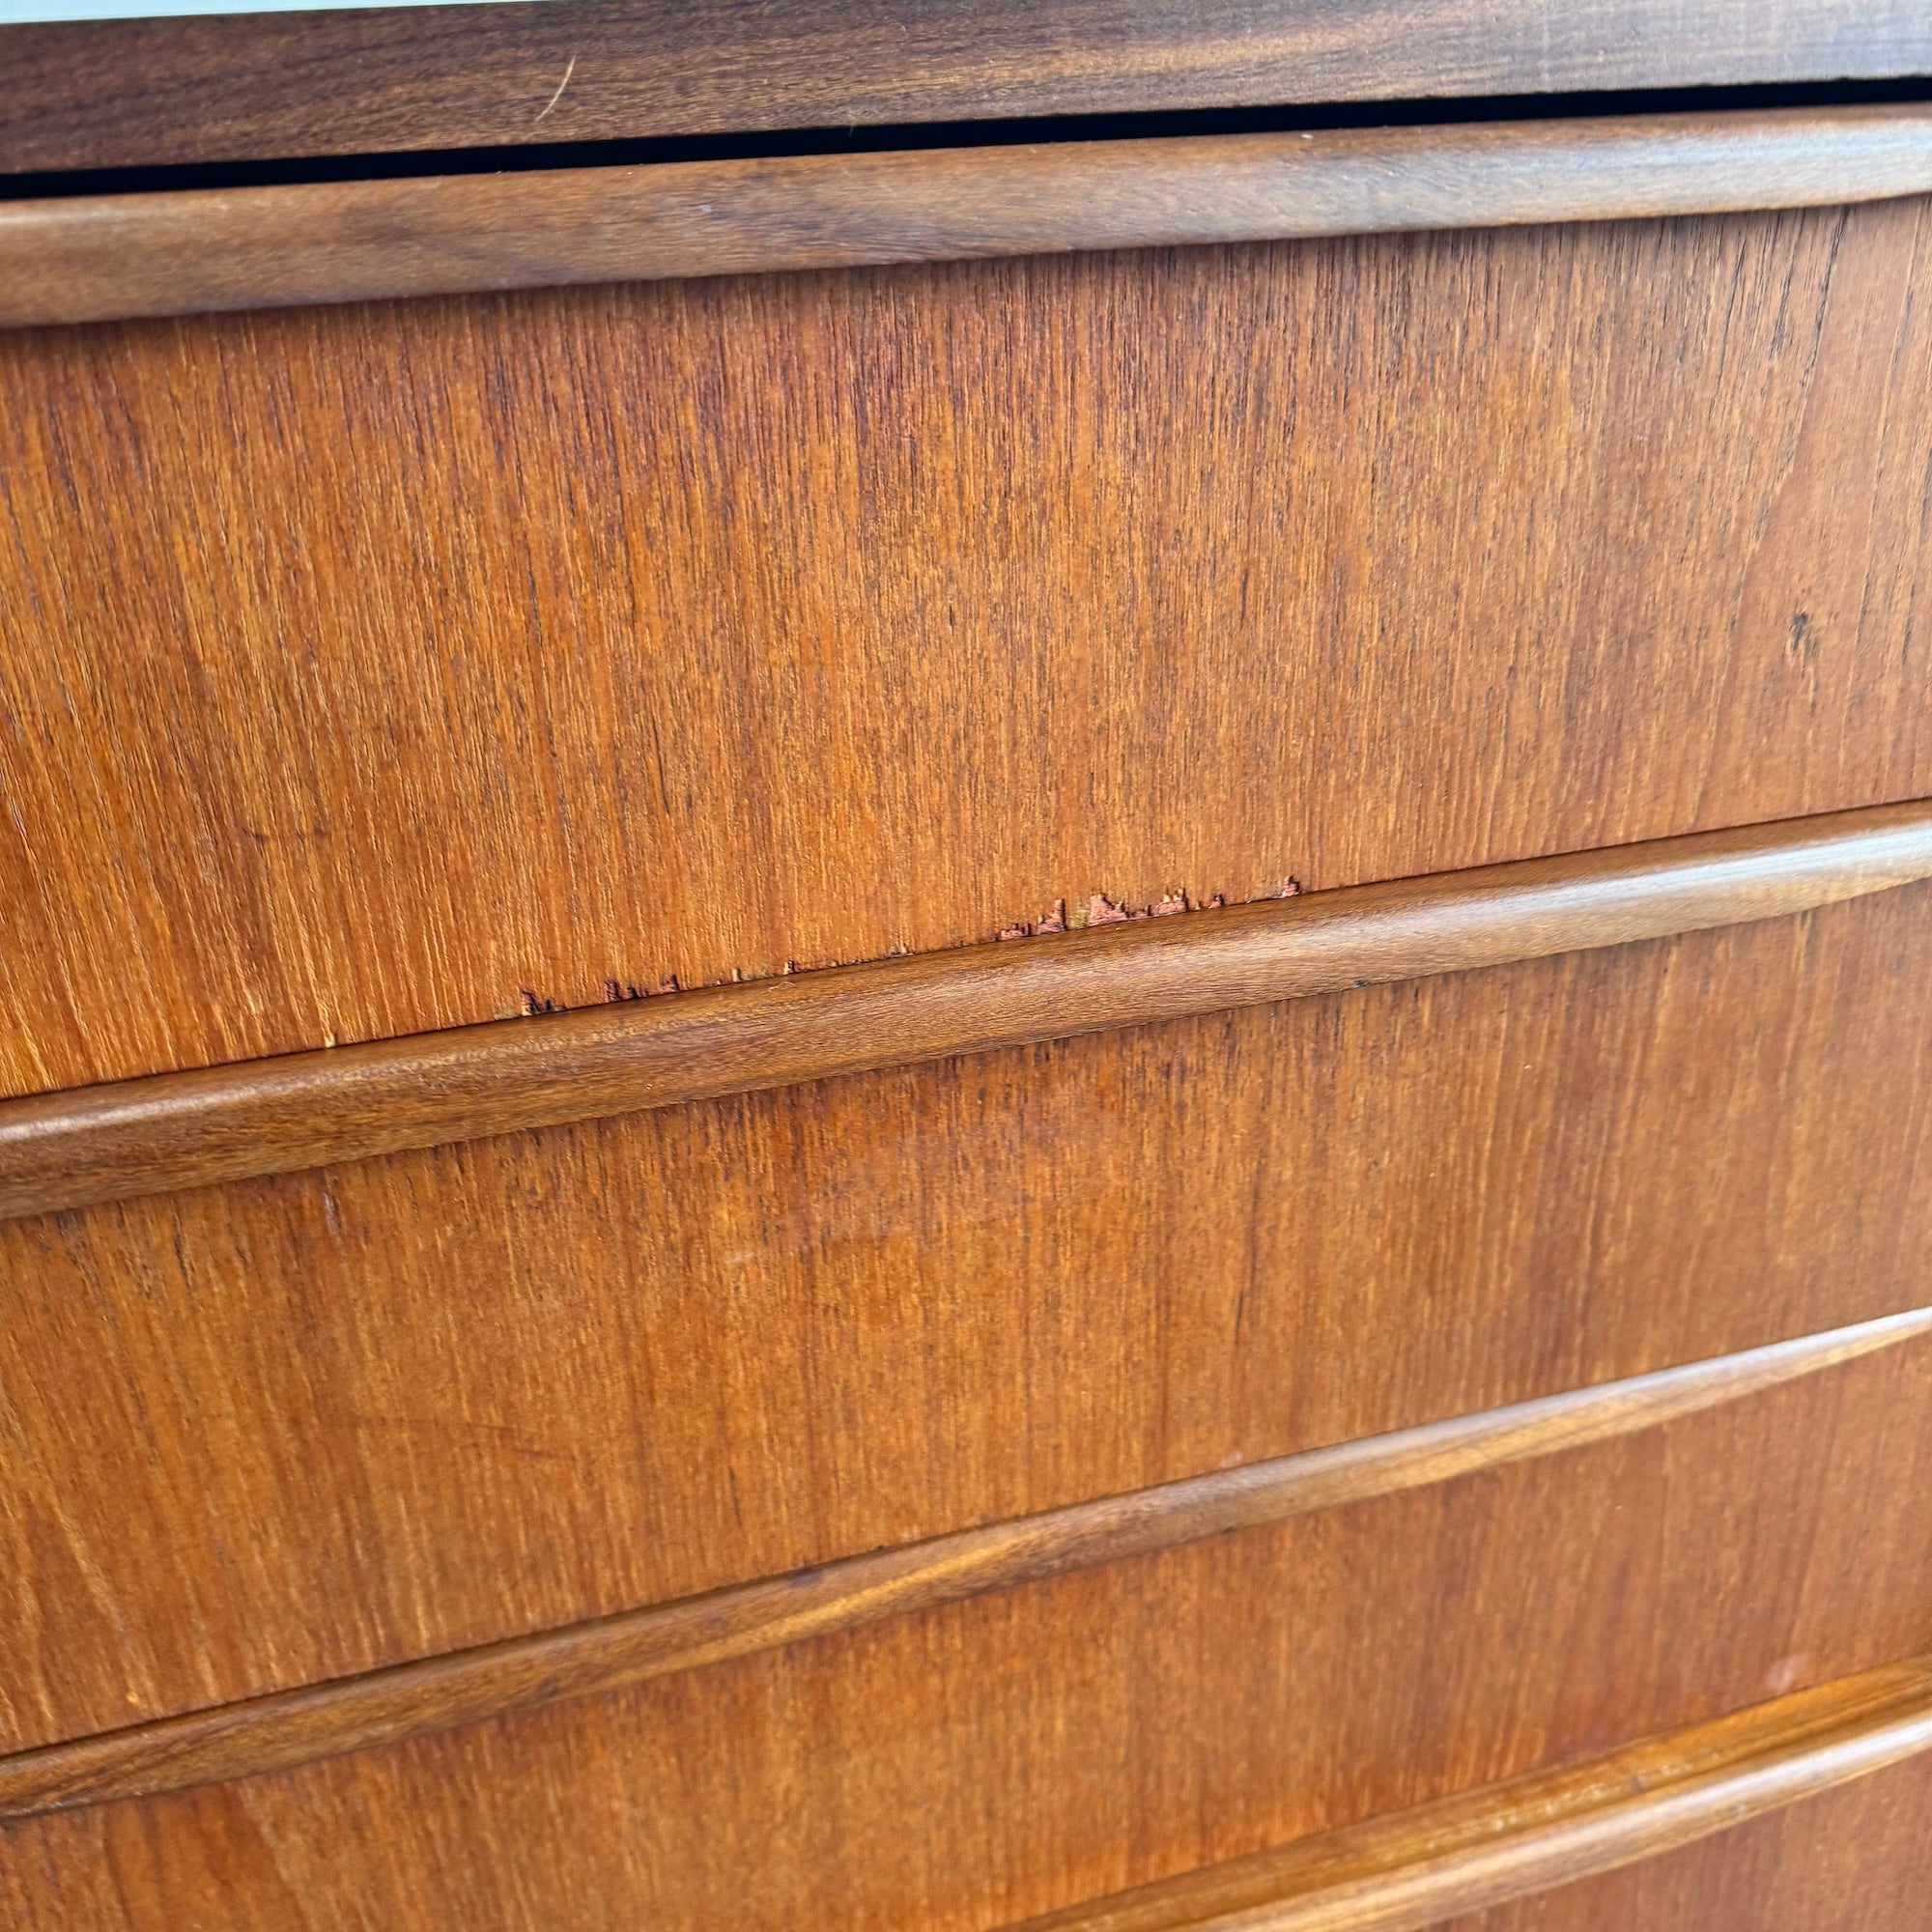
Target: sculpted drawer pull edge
x=1409, y=1870
x=302, y=1110
x=90, y=258
x=380, y=1707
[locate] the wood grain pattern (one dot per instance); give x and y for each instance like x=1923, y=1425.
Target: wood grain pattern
x=185, y=90
x=320, y=1109
x=301, y=1428
x=380, y=668
x=1795, y=1869
x=1405, y=1874
x=354, y=1714
x=1114, y=1726
x=879, y=611
x=100, y=257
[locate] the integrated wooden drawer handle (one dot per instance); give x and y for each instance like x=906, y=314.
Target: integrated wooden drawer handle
x=96, y=257
x=382, y=1707
x=303, y=1110
x=1413, y=1869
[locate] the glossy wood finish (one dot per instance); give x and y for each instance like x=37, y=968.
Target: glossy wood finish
x=93, y=257
x=109, y=95
x=883, y=610
x=445, y=1398
x=1865, y=1850
x=298, y=1727
x=311, y=1110
x=1075, y=1737
x=761, y=1510
x=1401, y=1874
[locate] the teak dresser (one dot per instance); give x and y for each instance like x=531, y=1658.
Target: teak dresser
x=967, y=966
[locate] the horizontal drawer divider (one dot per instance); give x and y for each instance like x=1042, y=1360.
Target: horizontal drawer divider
x=385, y=1706
x=1407, y=1871
x=303, y=1109
x=87, y=258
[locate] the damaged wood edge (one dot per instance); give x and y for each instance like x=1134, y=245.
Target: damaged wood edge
x=385, y=1706
x=90, y=258
x=1407, y=1871
x=303, y=1110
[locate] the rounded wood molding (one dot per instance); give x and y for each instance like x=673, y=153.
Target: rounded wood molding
x=90, y=258
x=303, y=1110
x=1409, y=1870
x=382, y=1707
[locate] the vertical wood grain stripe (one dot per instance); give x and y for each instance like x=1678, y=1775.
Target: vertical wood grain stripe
x=467, y=1686
x=1413, y=1869
x=93, y=258
x=307, y=1109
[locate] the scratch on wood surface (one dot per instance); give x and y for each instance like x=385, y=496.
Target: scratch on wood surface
x=570, y=67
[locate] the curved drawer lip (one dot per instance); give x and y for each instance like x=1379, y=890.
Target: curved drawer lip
x=386, y=1705
x=90, y=258
x=1407, y=1871
x=277, y=1115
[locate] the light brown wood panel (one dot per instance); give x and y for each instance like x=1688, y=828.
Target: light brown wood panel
x=89, y=258
x=972, y=1764
x=378, y=668
x=114, y=94
x=295, y=1428
x=1860, y=1857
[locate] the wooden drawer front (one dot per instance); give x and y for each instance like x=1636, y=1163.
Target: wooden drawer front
x=1006, y=1429
x=301, y=1427
x=1057, y=1742
x=378, y=668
